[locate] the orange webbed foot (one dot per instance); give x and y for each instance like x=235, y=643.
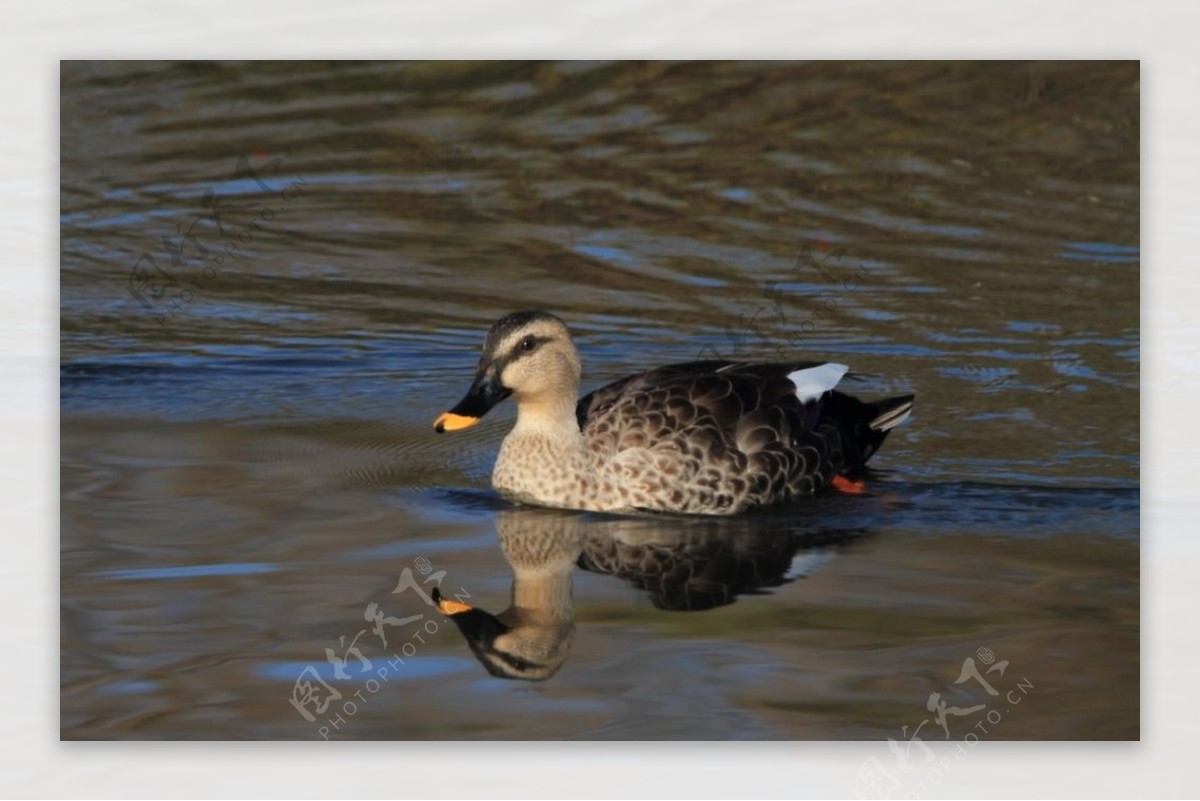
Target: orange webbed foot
x=848, y=486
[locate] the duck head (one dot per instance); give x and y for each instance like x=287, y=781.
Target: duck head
x=529, y=354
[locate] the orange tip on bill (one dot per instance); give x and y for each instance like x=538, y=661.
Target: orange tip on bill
x=449, y=421
x=448, y=607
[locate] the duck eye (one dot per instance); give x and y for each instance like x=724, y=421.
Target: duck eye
x=528, y=344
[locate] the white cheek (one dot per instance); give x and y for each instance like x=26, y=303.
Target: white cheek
x=517, y=374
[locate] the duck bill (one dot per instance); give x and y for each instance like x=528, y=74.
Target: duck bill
x=485, y=393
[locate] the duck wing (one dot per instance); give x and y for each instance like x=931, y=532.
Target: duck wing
x=750, y=384
x=728, y=391
x=779, y=427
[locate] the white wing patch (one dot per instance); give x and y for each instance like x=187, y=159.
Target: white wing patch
x=813, y=382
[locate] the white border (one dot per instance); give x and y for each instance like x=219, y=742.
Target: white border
x=33, y=762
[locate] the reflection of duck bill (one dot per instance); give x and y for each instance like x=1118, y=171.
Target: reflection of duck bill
x=449, y=607
x=495, y=644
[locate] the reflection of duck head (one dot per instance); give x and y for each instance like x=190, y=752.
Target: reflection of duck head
x=531, y=639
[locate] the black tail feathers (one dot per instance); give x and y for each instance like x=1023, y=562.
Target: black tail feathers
x=864, y=426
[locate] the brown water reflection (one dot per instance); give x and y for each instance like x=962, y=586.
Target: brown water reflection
x=243, y=476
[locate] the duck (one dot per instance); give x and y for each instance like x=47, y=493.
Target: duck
x=709, y=437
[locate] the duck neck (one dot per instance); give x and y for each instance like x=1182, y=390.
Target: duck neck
x=543, y=456
x=549, y=418
x=542, y=549
x=544, y=598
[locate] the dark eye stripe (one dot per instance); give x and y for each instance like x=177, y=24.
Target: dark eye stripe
x=518, y=351
x=515, y=662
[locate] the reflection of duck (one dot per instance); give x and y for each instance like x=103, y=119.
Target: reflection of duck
x=531, y=638
x=711, y=437
x=689, y=564
x=708, y=563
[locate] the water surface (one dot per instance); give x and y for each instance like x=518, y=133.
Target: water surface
x=275, y=276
